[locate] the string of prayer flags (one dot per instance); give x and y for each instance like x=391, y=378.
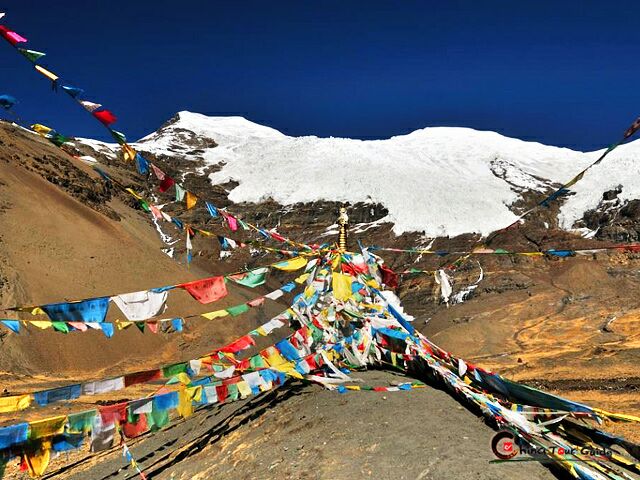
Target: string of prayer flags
x=319, y=351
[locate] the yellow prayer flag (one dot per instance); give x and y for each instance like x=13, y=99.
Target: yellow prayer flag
x=206, y=233
x=216, y=314
x=244, y=389
x=122, y=324
x=190, y=200
x=43, y=324
x=14, y=403
x=132, y=192
x=38, y=460
x=291, y=265
x=302, y=278
x=341, y=285
x=373, y=283
x=41, y=129
x=128, y=152
x=50, y=75
x=47, y=427
x=183, y=378
x=186, y=397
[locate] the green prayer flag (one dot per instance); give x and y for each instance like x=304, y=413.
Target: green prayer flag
x=257, y=361
x=60, y=327
x=118, y=136
x=238, y=310
x=157, y=419
x=31, y=54
x=173, y=370
x=180, y=193
x=81, y=422
x=58, y=140
x=232, y=392
x=251, y=279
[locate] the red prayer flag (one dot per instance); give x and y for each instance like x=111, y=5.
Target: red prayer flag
x=141, y=377
x=311, y=362
x=277, y=236
x=240, y=344
x=113, y=413
x=11, y=36
x=133, y=430
x=389, y=277
x=105, y=116
x=222, y=392
x=166, y=183
x=207, y=290
x=232, y=222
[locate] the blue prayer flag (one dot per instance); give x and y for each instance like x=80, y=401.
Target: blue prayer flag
x=90, y=310
x=12, y=325
x=213, y=211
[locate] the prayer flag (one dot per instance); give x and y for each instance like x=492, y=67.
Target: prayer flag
x=90, y=106
x=166, y=183
x=252, y=278
x=191, y=200
x=213, y=211
x=291, y=265
x=74, y=92
x=32, y=55
x=105, y=117
x=207, y=290
x=90, y=310
x=635, y=126
x=341, y=285
x=50, y=75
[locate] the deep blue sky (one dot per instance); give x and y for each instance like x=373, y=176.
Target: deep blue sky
x=563, y=73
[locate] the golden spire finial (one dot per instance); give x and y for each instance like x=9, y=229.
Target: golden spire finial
x=343, y=221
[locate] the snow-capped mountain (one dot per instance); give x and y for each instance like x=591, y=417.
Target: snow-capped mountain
x=440, y=181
